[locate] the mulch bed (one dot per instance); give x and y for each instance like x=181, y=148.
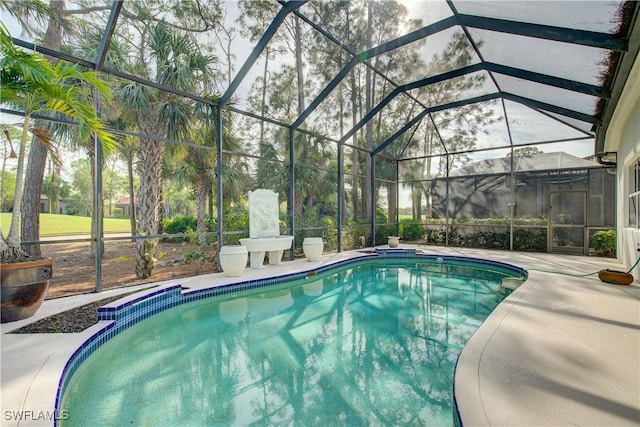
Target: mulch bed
x=74, y=273
x=71, y=321
x=74, y=265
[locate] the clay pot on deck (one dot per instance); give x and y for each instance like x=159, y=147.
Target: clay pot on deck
x=615, y=277
x=393, y=242
x=233, y=259
x=24, y=286
x=313, y=247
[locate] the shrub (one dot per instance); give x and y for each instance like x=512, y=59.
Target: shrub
x=324, y=226
x=541, y=221
x=604, y=243
x=494, y=239
x=531, y=240
x=435, y=236
x=411, y=230
x=180, y=224
x=236, y=221
x=351, y=235
x=123, y=258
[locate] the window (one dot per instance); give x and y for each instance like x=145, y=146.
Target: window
x=634, y=195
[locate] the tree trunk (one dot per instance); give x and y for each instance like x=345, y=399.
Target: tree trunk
x=416, y=199
x=428, y=149
x=161, y=206
x=393, y=200
x=301, y=106
x=367, y=197
x=2, y=180
x=202, y=189
x=354, y=153
x=38, y=153
x=299, y=67
x=428, y=202
x=263, y=107
x=354, y=139
x=132, y=194
x=13, y=238
x=34, y=175
x=96, y=216
x=210, y=202
x=149, y=202
x=342, y=196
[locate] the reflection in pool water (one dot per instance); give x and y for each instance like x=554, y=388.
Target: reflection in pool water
x=371, y=344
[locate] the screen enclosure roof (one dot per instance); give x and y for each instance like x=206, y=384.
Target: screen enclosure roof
x=385, y=76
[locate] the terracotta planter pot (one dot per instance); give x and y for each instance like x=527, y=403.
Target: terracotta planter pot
x=24, y=286
x=615, y=277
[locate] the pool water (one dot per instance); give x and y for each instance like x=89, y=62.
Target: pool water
x=370, y=344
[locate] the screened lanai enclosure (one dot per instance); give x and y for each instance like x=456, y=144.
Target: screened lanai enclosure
x=461, y=123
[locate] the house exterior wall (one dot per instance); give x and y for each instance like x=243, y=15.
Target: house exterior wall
x=623, y=137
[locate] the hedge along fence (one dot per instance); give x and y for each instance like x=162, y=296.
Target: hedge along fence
x=488, y=233
x=531, y=239
x=529, y=234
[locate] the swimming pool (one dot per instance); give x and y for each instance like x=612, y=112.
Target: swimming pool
x=370, y=343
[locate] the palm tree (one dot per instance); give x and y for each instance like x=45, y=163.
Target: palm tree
x=32, y=85
x=173, y=59
x=196, y=166
x=54, y=18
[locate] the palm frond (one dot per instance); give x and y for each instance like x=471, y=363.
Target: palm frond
x=34, y=85
x=48, y=140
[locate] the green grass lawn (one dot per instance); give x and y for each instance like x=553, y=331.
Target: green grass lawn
x=57, y=225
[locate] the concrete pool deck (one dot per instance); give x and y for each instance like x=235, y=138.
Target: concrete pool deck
x=560, y=350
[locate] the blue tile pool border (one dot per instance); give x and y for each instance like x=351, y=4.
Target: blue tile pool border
x=121, y=314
